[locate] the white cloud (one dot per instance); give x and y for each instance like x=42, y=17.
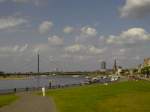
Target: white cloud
x=45, y=26
x=122, y=50
x=10, y=22
x=135, y=8
x=39, y=48
x=55, y=40
x=94, y=50
x=65, y=55
x=23, y=48
x=13, y=49
x=75, y=48
x=35, y=2
x=21, y=1
x=83, y=49
x=88, y=31
x=68, y=29
x=131, y=36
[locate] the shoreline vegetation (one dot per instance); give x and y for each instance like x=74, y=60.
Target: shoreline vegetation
x=7, y=99
x=97, y=98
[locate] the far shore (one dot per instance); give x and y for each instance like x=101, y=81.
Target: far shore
x=14, y=78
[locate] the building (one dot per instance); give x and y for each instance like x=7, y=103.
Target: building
x=115, y=66
x=146, y=62
x=103, y=65
x=119, y=70
x=139, y=68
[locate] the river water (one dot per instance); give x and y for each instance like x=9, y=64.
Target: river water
x=40, y=82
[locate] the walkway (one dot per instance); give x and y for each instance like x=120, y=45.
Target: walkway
x=30, y=103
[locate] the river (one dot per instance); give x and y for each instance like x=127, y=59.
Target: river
x=40, y=82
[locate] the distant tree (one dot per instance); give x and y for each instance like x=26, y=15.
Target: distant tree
x=2, y=74
x=146, y=71
x=135, y=71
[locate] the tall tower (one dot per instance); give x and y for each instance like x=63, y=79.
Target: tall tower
x=115, y=65
x=38, y=70
x=38, y=62
x=103, y=65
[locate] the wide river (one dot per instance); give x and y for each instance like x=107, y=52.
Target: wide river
x=40, y=82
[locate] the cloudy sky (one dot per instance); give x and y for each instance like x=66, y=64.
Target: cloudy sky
x=73, y=34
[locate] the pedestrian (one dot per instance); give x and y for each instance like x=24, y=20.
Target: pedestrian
x=50, y=84
x=15, y=90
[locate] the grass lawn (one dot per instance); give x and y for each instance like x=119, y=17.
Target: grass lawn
x=7, y=99
x=119, y=97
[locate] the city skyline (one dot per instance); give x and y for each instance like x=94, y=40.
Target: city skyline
x=73, y=35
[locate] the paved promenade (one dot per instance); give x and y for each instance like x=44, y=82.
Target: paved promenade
x=30, y=103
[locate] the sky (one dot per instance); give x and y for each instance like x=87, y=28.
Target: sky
x=73, y=35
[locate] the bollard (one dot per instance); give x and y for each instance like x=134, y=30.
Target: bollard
x=43, y=91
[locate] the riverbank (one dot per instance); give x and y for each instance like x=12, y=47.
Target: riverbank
x=121, y=97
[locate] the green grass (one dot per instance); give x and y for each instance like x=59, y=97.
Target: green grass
x=119, y=97
x=7, y=99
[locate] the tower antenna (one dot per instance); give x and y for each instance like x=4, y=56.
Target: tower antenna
x=38, y=55
x=38, y=70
